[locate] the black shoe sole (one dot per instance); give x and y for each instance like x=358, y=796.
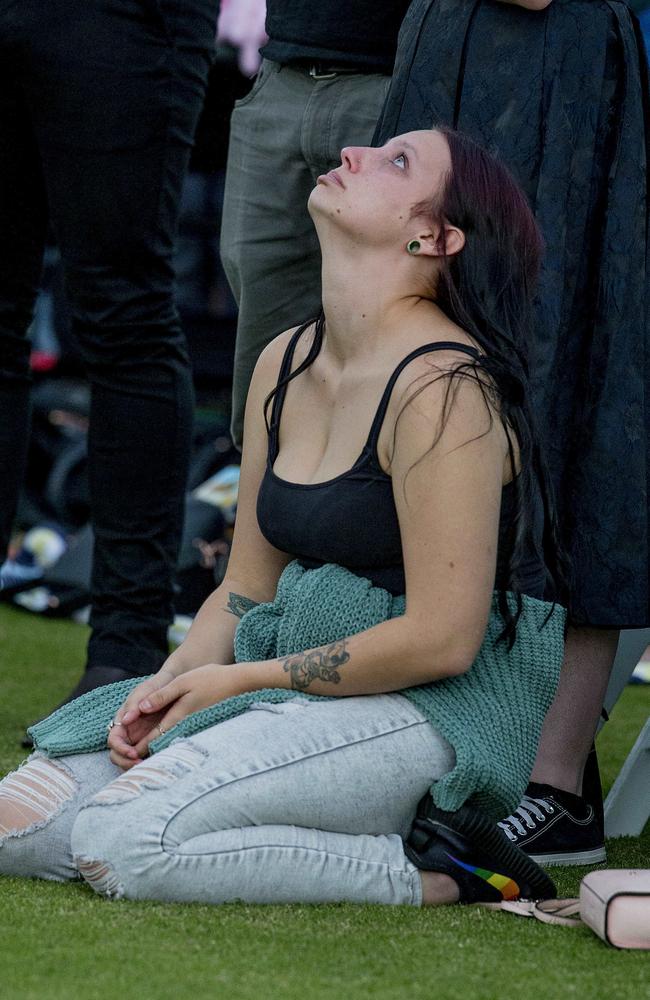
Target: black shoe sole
x=516, y=864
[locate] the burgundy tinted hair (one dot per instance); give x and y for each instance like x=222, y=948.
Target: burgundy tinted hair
x=487, y=287
x=491, y=282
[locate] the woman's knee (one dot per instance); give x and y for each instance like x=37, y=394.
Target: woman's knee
x=117, y=849
x=117, y=837
x=101, y=842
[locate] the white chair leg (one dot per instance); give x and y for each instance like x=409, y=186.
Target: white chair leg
x=631, y=645
x=627, y=808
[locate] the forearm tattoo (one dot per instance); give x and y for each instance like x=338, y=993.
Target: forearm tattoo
x=239, y=605
x=319, y=664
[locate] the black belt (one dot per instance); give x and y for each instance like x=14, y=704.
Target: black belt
x=327, y=71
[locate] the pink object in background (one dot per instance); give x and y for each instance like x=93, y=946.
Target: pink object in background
x=241, y=22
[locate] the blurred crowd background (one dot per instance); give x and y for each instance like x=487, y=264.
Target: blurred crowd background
x=50, y=557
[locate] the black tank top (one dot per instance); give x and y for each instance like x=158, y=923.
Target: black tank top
x=351, y=520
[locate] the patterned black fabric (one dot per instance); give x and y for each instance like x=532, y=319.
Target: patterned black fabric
x=562, y=97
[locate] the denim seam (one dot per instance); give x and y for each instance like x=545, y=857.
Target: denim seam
x=403, y=873
x=297, y=847
x=416, y=881
x=277, y=767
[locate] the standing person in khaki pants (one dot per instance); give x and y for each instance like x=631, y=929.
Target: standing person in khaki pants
x=321, y=86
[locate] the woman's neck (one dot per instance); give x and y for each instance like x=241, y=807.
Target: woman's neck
x=366, y=299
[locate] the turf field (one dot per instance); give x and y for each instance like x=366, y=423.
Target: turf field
x=61, y=941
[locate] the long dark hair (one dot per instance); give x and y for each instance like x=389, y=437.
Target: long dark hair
x=487, y=289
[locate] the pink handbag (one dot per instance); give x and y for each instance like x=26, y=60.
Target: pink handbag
x=615, y=903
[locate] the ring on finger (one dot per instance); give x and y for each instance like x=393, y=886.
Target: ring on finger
x=112, y=723
x=161, y=730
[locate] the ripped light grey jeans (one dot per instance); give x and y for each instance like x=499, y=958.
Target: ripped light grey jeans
x=304, y=801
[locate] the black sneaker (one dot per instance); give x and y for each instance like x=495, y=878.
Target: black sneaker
x=466, y=845
x=555, y=828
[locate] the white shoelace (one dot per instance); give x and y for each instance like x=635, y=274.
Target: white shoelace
x=530, y=811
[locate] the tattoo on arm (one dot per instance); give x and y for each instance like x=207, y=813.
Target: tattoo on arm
x=319, y=664
x=238, y=604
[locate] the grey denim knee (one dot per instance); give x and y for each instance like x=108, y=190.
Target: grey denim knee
x=107, y=841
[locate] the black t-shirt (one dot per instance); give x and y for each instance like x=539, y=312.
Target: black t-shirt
x=360, y=33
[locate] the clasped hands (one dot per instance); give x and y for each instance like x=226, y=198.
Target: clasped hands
x=159, y=703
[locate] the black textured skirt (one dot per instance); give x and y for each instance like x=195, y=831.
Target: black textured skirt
x=562, y=97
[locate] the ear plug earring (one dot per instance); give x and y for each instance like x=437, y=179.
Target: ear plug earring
x=413, y=246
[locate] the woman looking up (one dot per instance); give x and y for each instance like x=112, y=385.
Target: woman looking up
x=382, y=644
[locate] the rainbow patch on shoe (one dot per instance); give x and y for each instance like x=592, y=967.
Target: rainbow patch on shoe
x=502, y=883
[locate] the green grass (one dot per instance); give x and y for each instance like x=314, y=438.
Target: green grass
x=61, y=941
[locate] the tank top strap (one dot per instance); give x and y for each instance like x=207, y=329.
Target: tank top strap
x=278, y=399
x=442, y=345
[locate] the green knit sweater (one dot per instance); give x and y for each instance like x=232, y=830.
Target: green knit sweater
x=492, y=715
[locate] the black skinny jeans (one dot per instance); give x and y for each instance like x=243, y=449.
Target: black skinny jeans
x=99, y=101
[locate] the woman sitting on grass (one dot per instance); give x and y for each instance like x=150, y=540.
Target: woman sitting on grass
x=382, y=644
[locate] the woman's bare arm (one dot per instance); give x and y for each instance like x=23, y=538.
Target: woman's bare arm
x=448, y=504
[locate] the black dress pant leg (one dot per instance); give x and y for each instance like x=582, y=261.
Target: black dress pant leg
x=23, y=223
x=115, y=88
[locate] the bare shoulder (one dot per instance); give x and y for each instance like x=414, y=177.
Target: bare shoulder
x=427, y=381
x=443, y=397
x=269, y=362
x=271, y=357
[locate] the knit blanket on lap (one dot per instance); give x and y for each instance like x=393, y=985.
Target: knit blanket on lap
x=492, y=715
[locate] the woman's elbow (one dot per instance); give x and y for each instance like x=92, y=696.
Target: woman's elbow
x=459, y=660
x=448, y=659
